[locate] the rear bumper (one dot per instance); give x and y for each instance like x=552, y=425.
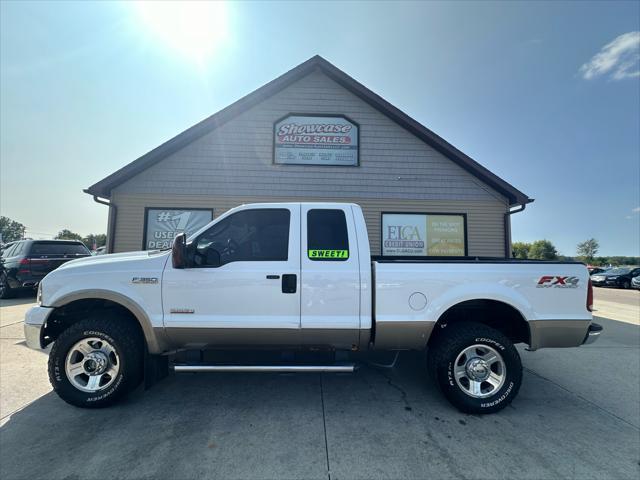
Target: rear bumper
x=25, y=280
x=34, y=321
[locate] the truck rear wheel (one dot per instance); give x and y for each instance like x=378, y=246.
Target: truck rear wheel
x=477, y=367
x=96, y=361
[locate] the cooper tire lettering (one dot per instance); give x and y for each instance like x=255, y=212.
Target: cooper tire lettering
x=448, y=346
x=127, y=340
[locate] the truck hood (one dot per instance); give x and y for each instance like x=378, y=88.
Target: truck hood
x=113, y=258
x=115, y=273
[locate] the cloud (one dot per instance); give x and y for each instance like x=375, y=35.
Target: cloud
x=636, y=210
x=619, y=59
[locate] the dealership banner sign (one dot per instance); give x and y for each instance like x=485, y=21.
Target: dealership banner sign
x=316, y=140
x=163, y=224
x=423, y=234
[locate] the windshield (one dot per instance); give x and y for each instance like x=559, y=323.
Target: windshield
x=619, y=271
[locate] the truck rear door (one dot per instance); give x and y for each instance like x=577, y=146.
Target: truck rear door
x=330, y=286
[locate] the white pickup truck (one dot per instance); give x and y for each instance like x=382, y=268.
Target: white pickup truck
x=295, y=276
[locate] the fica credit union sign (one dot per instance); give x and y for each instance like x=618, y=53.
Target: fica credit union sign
x=415, y=234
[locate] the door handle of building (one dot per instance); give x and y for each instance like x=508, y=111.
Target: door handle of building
x=289, y=283
x=273, y=277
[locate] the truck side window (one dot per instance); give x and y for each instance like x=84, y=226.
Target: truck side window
x=257, y=235
x=327, y=238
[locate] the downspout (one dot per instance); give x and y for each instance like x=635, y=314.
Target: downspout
x=507, y=229
x=113, y=213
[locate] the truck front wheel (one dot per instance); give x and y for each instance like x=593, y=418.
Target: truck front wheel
x=477, y=367
x=96, y=361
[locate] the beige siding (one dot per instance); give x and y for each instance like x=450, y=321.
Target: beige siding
x=233, y=164
x=484, y=219
x=236, y=159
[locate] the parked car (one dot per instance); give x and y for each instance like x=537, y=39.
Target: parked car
x=619, y=277
x=296, y=276
x=635, y=282
x=594, y=270
x=26, y=262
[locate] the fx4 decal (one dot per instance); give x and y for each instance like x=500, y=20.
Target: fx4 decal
x=556, y=281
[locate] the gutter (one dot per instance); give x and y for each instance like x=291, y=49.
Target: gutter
x=507, y=227
x=113, y=213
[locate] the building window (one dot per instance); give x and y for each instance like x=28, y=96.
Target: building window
x=327, y=238
x=424, y=234
x=161, y=225
x=256, y=235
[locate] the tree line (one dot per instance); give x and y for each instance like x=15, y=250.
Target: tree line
x=11, y=230
x=585, y=252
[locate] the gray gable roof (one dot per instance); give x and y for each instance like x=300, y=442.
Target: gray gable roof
x=103, y=187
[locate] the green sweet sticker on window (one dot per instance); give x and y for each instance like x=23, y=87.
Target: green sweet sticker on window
x=328, y=254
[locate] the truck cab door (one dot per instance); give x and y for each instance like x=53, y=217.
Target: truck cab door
x=330, y=302
x=242, y=284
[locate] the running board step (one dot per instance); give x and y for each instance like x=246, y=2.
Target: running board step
x=347, y=368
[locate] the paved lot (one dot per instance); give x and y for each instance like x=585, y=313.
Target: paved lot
x=577, y=416
x=621, y=305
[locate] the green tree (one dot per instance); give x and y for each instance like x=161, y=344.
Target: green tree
x=11, y=230
x=66, y=234
x=520, y=250
x=543, y=250
x=99, y=238
x=588, y=249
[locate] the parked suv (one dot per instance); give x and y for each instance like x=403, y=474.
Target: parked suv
x=616, y=277
x=26, y=262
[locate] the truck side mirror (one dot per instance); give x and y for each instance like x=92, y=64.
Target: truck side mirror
x=179, y=251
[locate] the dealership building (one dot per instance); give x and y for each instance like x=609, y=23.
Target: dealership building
x=315, y=134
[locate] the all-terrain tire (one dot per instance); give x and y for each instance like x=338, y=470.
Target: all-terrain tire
x=447, y=347
x=127, y=341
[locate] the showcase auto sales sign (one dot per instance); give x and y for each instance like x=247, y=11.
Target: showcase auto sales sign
x=315, y=140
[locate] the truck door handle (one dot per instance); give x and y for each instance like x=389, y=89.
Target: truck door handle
x=273, y=277
x=289, y=283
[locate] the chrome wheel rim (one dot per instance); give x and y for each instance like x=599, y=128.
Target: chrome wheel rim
x=92, y=364
x=480, y=371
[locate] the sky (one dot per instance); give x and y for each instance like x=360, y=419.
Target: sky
x=545, y=95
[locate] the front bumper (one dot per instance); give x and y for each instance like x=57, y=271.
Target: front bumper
x=593, y=333
x=34, y=320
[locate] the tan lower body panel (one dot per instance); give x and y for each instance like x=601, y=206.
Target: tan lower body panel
x=401, y=335
x=203, y=338
x=558, y=333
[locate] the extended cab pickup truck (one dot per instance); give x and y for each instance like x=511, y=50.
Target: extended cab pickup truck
x=300, y=276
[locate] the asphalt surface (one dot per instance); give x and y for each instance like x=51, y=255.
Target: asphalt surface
x=577, y=416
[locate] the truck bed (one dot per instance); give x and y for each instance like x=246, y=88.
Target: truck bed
x=412, y=294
